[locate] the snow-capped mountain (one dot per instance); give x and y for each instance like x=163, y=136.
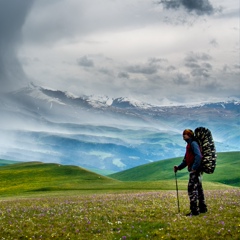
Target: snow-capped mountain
x=103, y=133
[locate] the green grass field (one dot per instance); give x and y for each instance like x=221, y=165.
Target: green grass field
x=36, y=177
x=53, y=201
x=132, y=215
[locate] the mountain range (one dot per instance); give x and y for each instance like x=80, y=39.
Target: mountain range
x=105, y=134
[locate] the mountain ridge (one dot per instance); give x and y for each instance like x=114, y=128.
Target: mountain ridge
x=48, y=125
x=121, y=102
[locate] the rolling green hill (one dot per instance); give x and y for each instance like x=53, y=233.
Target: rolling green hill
x=37, y=176
x=227, y=171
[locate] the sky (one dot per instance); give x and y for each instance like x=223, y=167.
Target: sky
x=161, y=52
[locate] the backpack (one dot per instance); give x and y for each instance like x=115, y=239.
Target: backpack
x=209, y=157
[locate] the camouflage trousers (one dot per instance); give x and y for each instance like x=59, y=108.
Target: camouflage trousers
x=195, y=192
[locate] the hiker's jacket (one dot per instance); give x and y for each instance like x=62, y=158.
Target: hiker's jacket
x=192, y=157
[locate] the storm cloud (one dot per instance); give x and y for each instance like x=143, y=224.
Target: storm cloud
x=12, y=17
x=200, y=7
x=198, y=65
x=85, y=62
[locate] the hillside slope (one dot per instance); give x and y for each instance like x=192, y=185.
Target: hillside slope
x=227, y=170
x=37, y=176
x=38, y=179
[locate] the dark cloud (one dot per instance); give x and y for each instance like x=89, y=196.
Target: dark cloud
x=85, y=62
x=151, y=67
x=171, y=68
x=194, y=57
x=200, y=7
x=237, y=66
x=153, y=61
x=198, y=65
x=12, y=17
x=192, y=64
x=182, y=79
x=144, y=69
x=213, y=42
x=105, y=71
x=123, y=75
x=200, y=72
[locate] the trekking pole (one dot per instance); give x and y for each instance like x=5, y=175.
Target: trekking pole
x=177, y=192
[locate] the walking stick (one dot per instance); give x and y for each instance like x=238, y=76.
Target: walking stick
x=177, y=192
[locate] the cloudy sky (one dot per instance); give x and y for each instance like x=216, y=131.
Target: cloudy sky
x=177, y=51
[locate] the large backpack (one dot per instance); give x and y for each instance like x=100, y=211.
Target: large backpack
x=209, y=157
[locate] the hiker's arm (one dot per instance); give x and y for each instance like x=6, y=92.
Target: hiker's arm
x=182, y=165
x=197, y=156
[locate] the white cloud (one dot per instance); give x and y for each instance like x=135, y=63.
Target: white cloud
x=101, y=155
x=118, y=163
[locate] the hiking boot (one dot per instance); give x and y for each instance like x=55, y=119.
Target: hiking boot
x=203, y=210
x=195, y=213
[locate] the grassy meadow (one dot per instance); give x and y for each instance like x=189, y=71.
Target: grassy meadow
x=132, y=215
x=52, y=201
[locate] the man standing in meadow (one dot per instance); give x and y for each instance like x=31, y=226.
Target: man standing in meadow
x=192, y=160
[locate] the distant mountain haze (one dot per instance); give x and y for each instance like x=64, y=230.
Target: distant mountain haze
x=39, y=124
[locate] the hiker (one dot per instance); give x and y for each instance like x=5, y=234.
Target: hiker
x=192, y=160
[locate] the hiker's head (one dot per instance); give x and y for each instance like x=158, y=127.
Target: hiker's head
x=187, y=133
